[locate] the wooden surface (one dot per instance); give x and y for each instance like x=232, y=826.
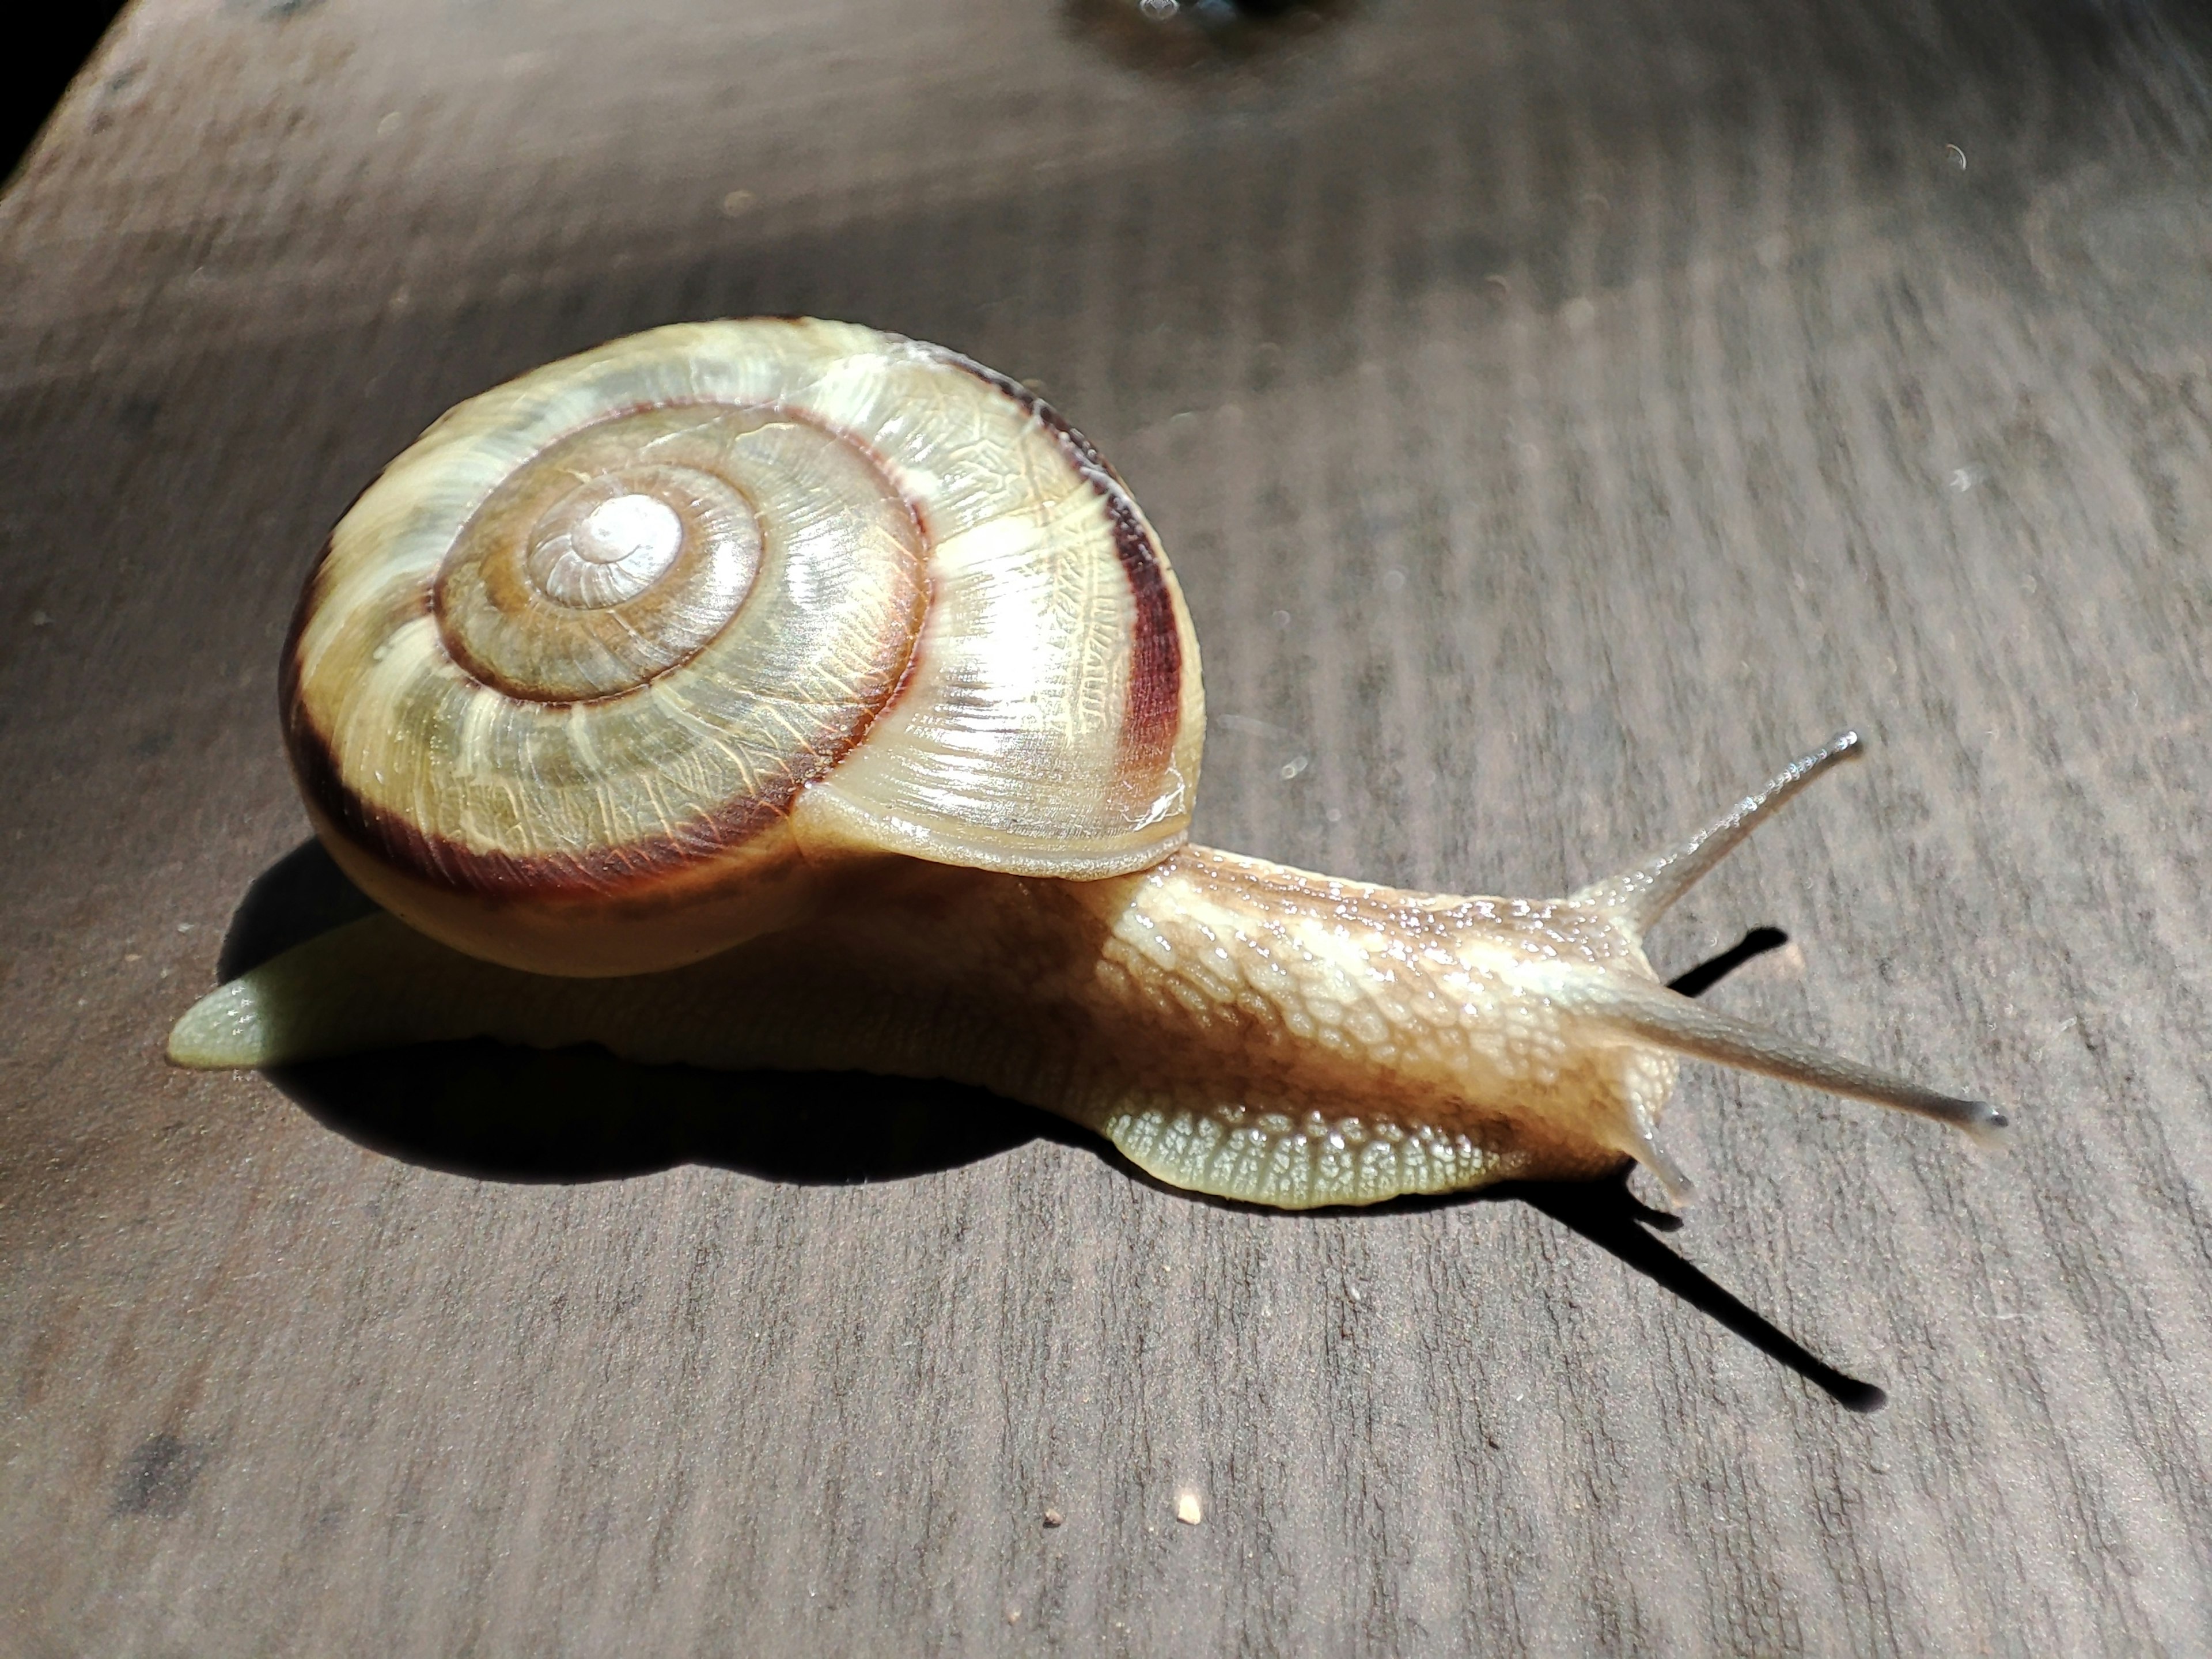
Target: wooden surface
x=1559, y=412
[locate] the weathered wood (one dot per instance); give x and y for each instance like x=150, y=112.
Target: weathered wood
x=1559, y=412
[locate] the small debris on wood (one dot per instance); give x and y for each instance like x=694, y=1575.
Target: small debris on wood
x=1053, y=1517
x=1187, y=1509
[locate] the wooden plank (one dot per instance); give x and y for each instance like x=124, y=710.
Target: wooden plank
x=1558, y=414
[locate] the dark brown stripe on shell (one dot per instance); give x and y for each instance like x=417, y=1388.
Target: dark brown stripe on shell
x=627, y=871
x=1151, y=722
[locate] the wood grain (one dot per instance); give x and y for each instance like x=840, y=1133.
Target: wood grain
x=1559, y=412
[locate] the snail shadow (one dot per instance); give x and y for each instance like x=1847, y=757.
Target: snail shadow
x=501, y=1112
x=1611, y=1217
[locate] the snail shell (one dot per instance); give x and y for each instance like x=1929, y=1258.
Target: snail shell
x=620, y=659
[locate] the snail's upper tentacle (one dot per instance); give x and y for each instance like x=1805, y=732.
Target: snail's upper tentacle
x=1639, y=896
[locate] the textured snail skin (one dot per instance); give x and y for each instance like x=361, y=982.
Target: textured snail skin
x=1232, y=1026
x=784, y=694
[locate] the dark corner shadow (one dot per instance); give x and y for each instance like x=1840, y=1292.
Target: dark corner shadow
x=499, y=1113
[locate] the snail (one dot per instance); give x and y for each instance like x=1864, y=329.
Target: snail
x=779, y=693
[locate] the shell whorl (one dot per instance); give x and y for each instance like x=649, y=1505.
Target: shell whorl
x=618, y=656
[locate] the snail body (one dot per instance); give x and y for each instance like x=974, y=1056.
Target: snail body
x=781, y=693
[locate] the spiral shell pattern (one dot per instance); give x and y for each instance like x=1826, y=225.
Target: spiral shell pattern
x=639, y=629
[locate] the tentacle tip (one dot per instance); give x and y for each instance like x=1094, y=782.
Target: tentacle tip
x=1990, y=1127
x=1676, y=1187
